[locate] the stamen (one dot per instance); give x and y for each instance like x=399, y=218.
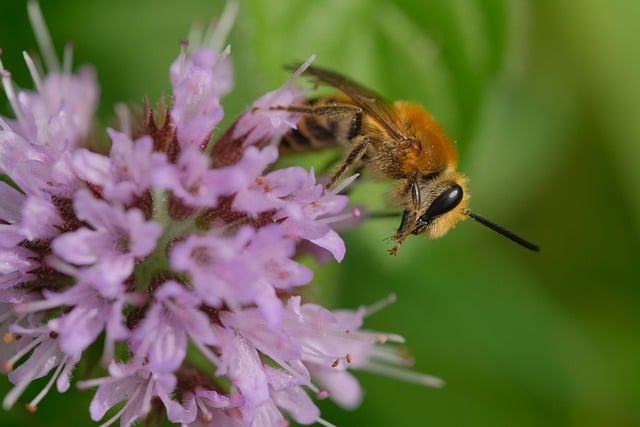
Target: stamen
x=36, y=306
x=314, y=351
x=324, y=422
x=13, y=395
x=7, y=365
x=8, y=338
x=338, y=188
x=390, y=355
x=294, y=373
x=301, y=69
x=353, y=213
x=208, y=354
x=225, y=52
x=183, y=60
x=7, y=83
x=123, y=116
x=57, y=264
x=215, y=37
x=300, y=378
x=148, y=394
x=389, y=337
x=270, y=97
x=336, y=362
x=377, y=306
x=403, y=375
x=33, y=405
x=67, y=59
x=129, y=401
x=43, y=37
x=66, y=70
x=35, y=75
x=94, y=382
x=195, y=36
x=206, y=413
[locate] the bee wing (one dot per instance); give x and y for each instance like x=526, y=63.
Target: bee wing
x=372, y=103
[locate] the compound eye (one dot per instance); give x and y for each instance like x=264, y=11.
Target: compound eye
x=444, y=203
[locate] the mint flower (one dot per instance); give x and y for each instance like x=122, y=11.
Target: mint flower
x=176, y=259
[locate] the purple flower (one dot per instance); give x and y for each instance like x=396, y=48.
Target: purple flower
x=215, y=409
x=182, y=263
x=49, y=124
x=287, y=395
x=161, y=337
x=91, y=314
x=199, y=80
x=17, y=266
x=241, y=364
x=40, y=218
x=46, y=356
x=58, y=114
x=110, y=248
x=126, y=173
x=246, y=268
x=261, y=122
x=272, y=191
x=135, y=384
x=193, y=182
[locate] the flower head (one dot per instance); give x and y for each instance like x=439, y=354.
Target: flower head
x=180, y=261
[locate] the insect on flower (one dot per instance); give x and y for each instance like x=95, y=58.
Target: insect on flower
x=400, y=141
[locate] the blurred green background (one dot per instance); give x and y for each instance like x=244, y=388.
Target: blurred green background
x=543, y=100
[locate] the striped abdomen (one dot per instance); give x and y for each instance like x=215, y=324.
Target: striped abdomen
x=325, y=123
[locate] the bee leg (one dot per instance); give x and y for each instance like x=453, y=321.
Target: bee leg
x=403, y=231
x=409, y=216
x=394, y=250
x=415, y=194
x=403, y=222
x=357, y=169
x=357, y=150
x=330, y=111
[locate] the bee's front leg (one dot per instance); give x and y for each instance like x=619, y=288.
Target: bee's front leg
x=357, y=150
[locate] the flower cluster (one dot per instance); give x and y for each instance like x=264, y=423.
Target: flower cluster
x=174, y=259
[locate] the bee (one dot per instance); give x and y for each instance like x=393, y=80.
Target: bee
x=399, y=141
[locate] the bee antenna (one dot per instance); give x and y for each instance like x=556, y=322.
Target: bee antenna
x=506, y=233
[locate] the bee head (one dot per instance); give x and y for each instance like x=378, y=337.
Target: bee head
x=440, y=202
x=443, y=202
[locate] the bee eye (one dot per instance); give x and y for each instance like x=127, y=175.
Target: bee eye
x=442, y=204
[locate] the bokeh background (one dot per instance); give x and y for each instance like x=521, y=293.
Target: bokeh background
x=543, y=100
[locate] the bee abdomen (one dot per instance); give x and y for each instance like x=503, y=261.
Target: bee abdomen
x=323, y=127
